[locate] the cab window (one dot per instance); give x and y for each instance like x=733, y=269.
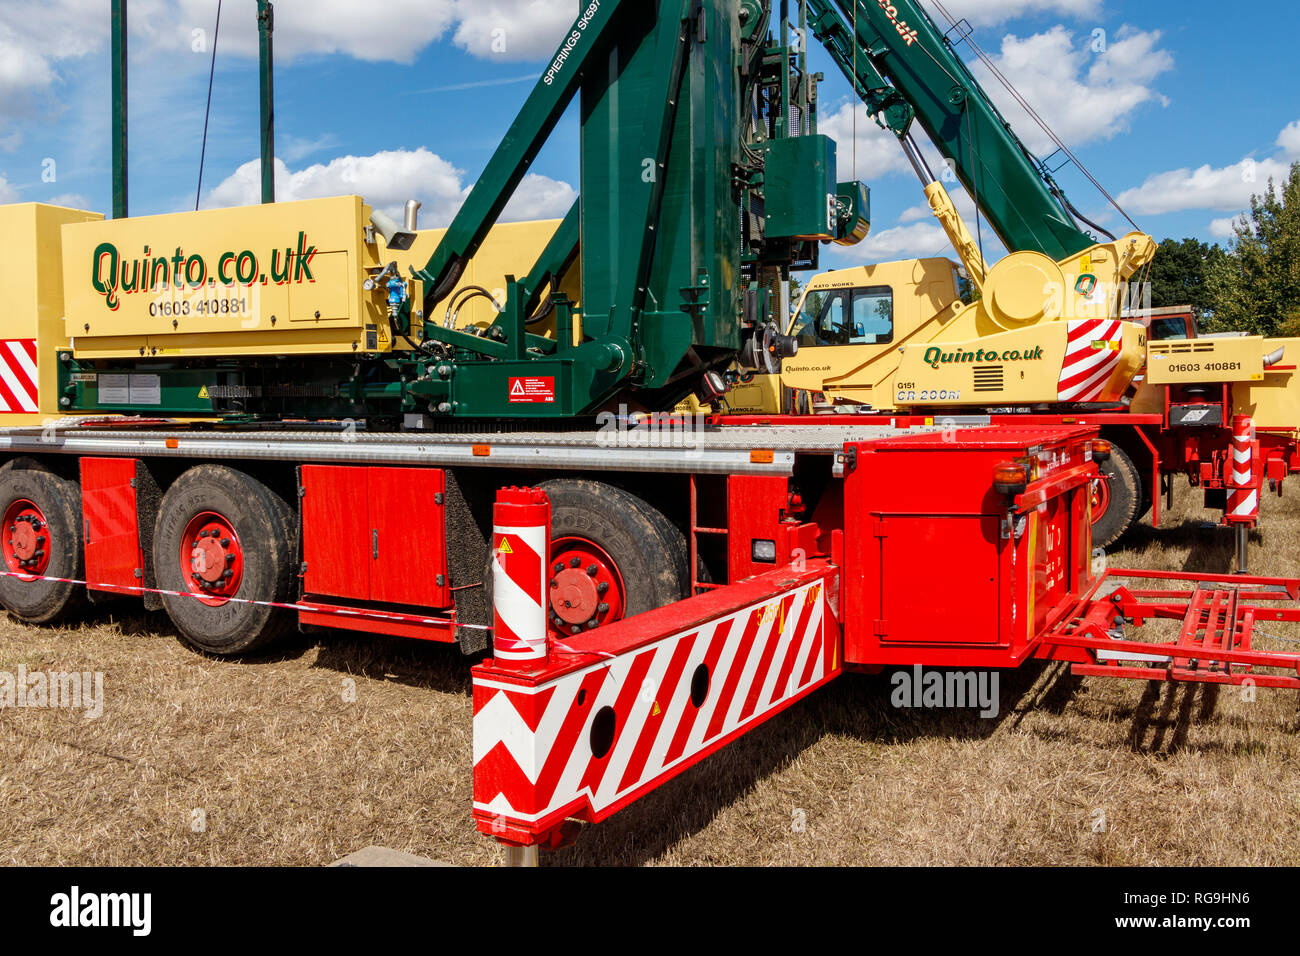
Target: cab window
x=862, y=316
x=1171, y=328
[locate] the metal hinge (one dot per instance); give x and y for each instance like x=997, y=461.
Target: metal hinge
x=438, y=498
x=374, y=543
x=878, y=528
x=442, y=580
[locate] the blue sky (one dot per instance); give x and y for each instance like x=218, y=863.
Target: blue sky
x=1173, y=106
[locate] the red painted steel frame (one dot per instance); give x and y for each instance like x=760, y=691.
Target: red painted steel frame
x=940, y=569
x=615, y=713
x=1200, y=453
x=1214, y=643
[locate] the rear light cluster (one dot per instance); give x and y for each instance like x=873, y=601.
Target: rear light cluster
x=1011, y=478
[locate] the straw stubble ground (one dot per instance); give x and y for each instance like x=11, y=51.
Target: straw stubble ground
x=197, y=761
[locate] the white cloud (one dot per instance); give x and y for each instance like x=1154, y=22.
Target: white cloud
x=1289, y=140
x=877, y=151
x=923, y=213
x=34, y=37
x=513, y=29
x=38, y=40
x=1083, y=95
x=395, y=30
x=1223, y=228
x=386, y=180
x=1221, y=188
x=1206, y=187
x=915, y=241
x=7, y=192
x=539, y=197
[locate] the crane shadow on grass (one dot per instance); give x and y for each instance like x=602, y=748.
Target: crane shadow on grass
x=1210, y=549
x=424, y=664
x=855, y=706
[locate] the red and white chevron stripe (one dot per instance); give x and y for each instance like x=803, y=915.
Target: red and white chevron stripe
x=18, y=376
x=521, y=550
x=1092, y=353
x=655, y=710
x=1243, y=488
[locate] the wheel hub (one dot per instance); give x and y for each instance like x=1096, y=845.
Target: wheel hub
x=1100, y=498
x=586, y=588
x=212, y=560
x=26, y=539
x=573, y=595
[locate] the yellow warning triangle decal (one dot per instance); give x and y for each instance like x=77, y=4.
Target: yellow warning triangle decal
x=203, y=392
x=504, y=547
x=654, y=712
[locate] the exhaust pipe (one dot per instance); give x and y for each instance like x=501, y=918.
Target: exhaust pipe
x=1274, y=357
x=412, y=217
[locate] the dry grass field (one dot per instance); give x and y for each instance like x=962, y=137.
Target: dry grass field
x=197, y=761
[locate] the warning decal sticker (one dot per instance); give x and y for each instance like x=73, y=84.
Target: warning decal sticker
x=532, y=390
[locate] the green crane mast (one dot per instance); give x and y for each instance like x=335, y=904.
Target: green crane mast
x=906, y=71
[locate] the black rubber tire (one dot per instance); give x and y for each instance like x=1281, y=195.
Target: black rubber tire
x=44, y=602
x=1124, y=509
x=267, y=533
x=649, y=549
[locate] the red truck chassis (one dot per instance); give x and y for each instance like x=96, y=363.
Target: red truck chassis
x=857, y=548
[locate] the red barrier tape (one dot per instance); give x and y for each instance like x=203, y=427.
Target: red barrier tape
x=315, y=609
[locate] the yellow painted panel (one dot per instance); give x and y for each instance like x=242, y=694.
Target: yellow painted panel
x=511, y=249
x=327, y=299
x=212, y=277
x=1275, y=401
x=1184, y=361
x=31, y=289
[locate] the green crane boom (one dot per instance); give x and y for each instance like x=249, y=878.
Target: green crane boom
x=905, y=70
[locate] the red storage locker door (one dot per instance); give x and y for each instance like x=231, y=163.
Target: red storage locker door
x=940, y=580
x=407, y=537
x=375, y=534
x=108, y=506
x=336, y=532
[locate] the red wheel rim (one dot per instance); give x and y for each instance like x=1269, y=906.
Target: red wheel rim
x=27, y=543
x=586, y=588
x=211, y=558
x=1100, y=498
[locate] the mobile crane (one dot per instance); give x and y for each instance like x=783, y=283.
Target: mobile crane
x=931, y=338
x=252, y=419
